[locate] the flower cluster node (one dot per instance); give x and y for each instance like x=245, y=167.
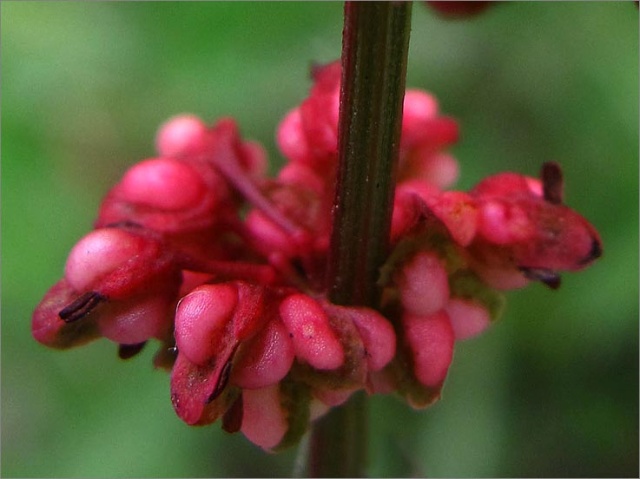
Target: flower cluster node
x=199, y=250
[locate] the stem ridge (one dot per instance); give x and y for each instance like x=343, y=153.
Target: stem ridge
x=374, y=63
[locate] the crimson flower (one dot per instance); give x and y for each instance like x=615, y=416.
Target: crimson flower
x=197, y=249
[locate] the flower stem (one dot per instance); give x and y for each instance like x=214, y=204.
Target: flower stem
x=374, y=61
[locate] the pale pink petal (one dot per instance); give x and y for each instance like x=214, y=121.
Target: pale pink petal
x=263, y=420
x=431, y=339
x=468, y=318
x=423, y=284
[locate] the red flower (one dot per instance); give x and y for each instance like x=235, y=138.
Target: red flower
x=226, y=268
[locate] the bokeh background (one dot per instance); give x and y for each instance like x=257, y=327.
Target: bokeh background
x=551, y=390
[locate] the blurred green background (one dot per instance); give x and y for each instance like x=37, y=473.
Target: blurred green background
x=551, y=390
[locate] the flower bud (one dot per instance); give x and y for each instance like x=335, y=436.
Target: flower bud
x=468, y=318
x=313, y=339
x=265, y=359
x=181, y=136
x=263, y=420
x=202, y=320
x=431, y=340
x=423, y=285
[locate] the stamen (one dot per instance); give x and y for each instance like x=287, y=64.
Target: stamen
x=127, y=351
x=81, y=307
x=552, y=183
x=232, y=419
x=225, y=374
x=548, y=277
x=228, y=166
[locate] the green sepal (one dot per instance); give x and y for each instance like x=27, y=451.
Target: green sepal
x=417, y=395
x=295, y=401
x=353, y=372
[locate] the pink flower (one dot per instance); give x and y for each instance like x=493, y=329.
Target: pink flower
x=121, y=284
x=197, y=249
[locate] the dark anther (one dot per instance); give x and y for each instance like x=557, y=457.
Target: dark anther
x=127, y=351
x=81, y=307
x=552, y=183
x=232, y=419
x=546, y=276
x=222, y=381
x=594, y=253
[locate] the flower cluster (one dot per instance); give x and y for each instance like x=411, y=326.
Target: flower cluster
x=198, y=249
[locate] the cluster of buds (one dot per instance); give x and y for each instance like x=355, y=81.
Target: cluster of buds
x=199, y=250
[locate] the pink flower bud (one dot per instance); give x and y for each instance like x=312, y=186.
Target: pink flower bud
x=459, y=213
x=503, y=222
x=291, y=138
x=529, y=233
x=181, y=136
x=98, y=254
x=320, y=112
x=418, y=108
x=263, y=420
x=202, y=320
x=377, y=335
x=313, y=339
x=166, y=195
x=116, y=282
x=162, y=184
x=438, y=133
x=265, y=359
x=468, y=318
x=431, y=340
x=423, y=284
x=408, y=205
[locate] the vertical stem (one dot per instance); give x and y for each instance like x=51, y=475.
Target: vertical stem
x=374, y=60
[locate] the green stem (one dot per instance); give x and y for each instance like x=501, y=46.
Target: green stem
x=374, y=62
